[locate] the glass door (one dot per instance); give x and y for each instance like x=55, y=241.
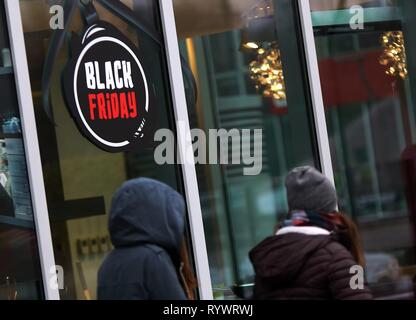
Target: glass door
x=366, y=52
x=249, y=63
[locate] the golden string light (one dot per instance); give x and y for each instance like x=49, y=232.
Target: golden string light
x=394, y=55
x=267, y=72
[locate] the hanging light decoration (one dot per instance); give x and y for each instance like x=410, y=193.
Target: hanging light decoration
x=251, y=45
x=394, y=55
x=267, y=72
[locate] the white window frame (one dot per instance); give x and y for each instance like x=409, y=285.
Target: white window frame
x=31, y=143
x=315, y=89
x=184, y=144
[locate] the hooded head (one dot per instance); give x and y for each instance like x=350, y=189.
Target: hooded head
x=308, y=189
x=147, y=211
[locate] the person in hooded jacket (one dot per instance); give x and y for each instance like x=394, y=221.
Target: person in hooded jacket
x=313, y=250
x=150, y=261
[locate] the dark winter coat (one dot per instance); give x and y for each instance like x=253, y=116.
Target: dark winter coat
x=303, y=266
x=6, y=203
x=146, y=227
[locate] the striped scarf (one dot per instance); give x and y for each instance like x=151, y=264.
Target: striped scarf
x=299, y=218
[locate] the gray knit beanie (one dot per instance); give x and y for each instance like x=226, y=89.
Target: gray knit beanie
x=308, y=189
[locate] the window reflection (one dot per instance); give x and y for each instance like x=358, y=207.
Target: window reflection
x=371, y=125
x=239, y=210
x=79, y=178
x=20, y=276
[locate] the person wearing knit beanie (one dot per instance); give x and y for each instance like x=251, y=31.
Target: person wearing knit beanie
x=313, y=250
x=308, y=189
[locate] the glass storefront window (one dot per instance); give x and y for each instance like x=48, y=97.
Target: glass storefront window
x=221, y=43
x=369, y=103
x=20, y=275
x=80, y=179
x=248, y=61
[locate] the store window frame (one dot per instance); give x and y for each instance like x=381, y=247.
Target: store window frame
x=33, y=159
x=32, y=153
x=316, y=90
x=184, y=144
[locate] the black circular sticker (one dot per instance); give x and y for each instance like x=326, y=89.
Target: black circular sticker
x=108, y=91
